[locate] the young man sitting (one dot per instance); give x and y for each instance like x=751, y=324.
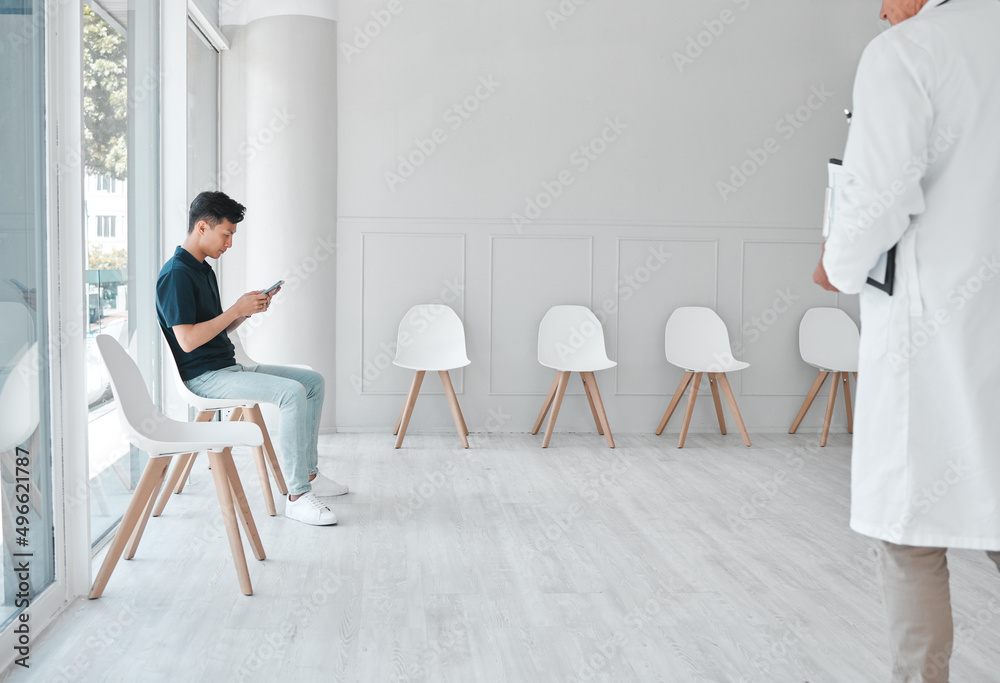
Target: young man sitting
x=190, y=314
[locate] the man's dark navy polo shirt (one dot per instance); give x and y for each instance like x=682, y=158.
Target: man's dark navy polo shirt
x=187, y=293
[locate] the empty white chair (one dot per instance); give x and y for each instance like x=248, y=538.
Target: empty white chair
x=431, y=337
x=159, y=436
x=696, y=340
x=828, y=340
x=571, y=339
x=246, y=410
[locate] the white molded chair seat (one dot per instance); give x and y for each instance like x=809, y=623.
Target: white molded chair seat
x=829, y=341
x=697, y=341
x=161, y=437
x=431, y=338
x=243, y=409
x=19, y=400
x=571, y=339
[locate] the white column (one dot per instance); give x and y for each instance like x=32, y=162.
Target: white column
x=279, y=158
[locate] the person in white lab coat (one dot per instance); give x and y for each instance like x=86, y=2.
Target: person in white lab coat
x=922, y=170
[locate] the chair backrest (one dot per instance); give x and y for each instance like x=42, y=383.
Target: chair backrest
x=431, y=337
x=19, y=400
x=15, y=332
x=139, y=417
x=829, y=339
x=696, y=339
x=572, y=338
x=241, y=355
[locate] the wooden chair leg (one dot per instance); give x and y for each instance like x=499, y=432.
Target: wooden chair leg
x=399, y=420
x=713, y=381
x=685, y=380
x=733, y=408
x=140, y=527
x=242, y=507
x=690, y=410
x=222, y=487
x=545, y=406
x=590, y=400
x=152, y=474
x=556, y=402
x=592, y=384
x=810, y=397
x=260, y=460
x=257, y=417
x=829, y=408
x=847, y=402
x=411, y=399
x=456, y=412
x=171, y=483
x=187, y=462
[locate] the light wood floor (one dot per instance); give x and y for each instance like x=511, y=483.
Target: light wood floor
x=507, y=562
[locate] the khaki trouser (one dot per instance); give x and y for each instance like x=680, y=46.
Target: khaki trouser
x=918, y=602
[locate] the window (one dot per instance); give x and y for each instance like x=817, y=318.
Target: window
x=106, y=226
x=107, y=183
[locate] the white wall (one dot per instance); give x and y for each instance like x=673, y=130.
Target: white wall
x=653, y=189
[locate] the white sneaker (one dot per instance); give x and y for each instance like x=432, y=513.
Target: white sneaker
x=310, y=509
x=325, y=487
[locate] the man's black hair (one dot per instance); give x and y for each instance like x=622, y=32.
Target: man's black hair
x=213, y=207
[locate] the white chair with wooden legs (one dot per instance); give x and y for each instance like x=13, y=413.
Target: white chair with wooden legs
x=245, y=410
x=431, y=338
x=828, y=341
x=697, y=341
x=571, y=339
x=162, y=438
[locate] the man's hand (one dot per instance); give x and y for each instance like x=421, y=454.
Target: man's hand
x=250, y=303
x=271, y=296
x=819, y=275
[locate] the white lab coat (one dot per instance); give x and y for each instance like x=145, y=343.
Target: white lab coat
x=923, y=169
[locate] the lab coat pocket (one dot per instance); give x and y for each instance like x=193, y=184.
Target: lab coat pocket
x=876, y=313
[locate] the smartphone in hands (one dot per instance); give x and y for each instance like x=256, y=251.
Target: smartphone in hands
x=273, y=287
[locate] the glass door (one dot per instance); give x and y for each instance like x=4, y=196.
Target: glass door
x=25, y=449
x=121, y=204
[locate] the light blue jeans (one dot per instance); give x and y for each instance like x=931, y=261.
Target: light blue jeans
x=299, y=395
